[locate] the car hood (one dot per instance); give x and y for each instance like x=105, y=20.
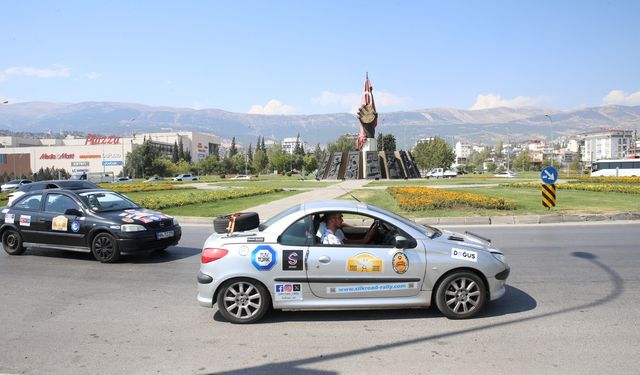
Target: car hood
x=142, y=216
x=468, y=239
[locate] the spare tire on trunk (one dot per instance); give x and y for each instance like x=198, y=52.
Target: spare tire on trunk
x=243, y=221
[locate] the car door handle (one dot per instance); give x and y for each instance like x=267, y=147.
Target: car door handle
x=40, y=220
x=324, y=259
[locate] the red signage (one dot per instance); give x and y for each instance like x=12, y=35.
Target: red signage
x=57, y=156
x=101, y=140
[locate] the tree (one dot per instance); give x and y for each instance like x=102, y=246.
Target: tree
x=262, y=146
x=250, y=154
x=342, y=144
x=260, y=161
x=522, y=162
x=180, y=149
x=298, y=149
x=233, y=150
x=175, y=157
x=434, y=154
x=278, y=159
x=310, y=163
x=499, y=148
x=140, y=162
x=187, y=156
x=476, y=160
x=386, y=142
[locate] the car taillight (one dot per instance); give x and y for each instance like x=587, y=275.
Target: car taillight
x=210, y=255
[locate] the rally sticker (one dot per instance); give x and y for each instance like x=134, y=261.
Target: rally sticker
x=364, y=263
x=255, y=239
x=5, y=210
x=263, y=258
x=288, y=292
x=123, y=214
x=59, y=223
x=75, y=226
x=371, y=288
x=463, y=254
x=292, y=260
x=127, y=220
x=9, y=218
x=400, y=263
x=145, y=220
x=25, y=220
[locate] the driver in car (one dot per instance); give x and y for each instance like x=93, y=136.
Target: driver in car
x=332, y=234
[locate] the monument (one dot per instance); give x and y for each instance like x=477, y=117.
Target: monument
x=367, y=162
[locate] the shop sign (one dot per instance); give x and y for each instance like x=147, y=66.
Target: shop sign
x=76, y=170
x=80, y=163
x=64, y=155
x=111, y=163
x=109, y=155
x=90, y=156
x=101, y=140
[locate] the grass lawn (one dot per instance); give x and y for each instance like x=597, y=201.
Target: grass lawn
x=276, y=184
x=528, y=202
x=226, y=206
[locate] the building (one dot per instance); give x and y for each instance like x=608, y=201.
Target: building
x=94, y=153
x=463, y=151
x=606, y=144
x=289, y=144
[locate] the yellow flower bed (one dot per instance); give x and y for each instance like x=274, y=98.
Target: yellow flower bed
x=421, y=198
x=186, y=198
x=602, y=188
x=609, y=180
x=134, y=187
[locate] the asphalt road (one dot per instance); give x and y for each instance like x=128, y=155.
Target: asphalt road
x=571, y=308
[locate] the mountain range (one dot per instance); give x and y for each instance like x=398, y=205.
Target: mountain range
x=482, y=126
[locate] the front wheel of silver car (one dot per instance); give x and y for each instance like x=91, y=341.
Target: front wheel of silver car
x=243, y=301
x=461, y=295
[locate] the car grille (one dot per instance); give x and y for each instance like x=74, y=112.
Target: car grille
x=164, y=223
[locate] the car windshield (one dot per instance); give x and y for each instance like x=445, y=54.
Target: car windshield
x=279, y=216
x=427, y=230
x=102, y=201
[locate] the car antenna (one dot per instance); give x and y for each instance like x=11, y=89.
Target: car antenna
x=348, y=192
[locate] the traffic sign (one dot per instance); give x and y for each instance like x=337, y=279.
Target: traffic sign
x=548, y=195
x=549, y=175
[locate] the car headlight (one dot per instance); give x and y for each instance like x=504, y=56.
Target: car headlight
x=175, y=221
x=132, y=228
x=500, y=257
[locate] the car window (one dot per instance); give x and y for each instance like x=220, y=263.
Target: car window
x=279, y=216
x=29, y=203
x=299, y=233
x=59, y=203
x=101, y=201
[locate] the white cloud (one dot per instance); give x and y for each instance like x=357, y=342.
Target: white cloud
x=621, y=98
x=273, y=107
x=352, y=100
x=494, y=101
x=93, y=75
x=56, y=71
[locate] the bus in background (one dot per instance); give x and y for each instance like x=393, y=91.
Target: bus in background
x=96, y=177
x=616, y=167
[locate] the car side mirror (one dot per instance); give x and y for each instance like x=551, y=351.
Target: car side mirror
x=73, y=212
x=401, y=242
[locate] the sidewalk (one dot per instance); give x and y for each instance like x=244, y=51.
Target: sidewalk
x=270, y=209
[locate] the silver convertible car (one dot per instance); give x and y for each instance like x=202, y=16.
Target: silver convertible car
x=284, y=265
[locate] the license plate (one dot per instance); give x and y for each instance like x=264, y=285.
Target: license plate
x=163, y=235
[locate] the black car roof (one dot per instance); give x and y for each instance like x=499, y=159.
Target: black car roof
x=64, y=184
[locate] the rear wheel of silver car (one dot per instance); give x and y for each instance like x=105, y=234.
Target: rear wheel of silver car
x=243, y=301
x=461, y=295
x=12, y=242
x=105, y=248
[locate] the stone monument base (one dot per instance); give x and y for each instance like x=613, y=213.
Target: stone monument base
x=372, y=165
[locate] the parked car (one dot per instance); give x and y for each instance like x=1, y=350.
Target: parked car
x=441, y=173
x=99, y=221
x=186, y=177
x=282, y=264
x=13, y=185
x=506, y=174
x=240, y=177
x=53, y=184
x=120, y=180
x=154, y=179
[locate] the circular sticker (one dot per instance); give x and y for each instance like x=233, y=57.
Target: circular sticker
x=400, y=263
x=75, y=226
x=243, y=250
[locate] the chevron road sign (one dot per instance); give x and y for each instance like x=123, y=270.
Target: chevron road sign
x=548, y=195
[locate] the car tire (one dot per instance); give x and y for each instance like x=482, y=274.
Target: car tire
x=104, y=248
x=12, y=242
x=461, y=295
x=243, y=301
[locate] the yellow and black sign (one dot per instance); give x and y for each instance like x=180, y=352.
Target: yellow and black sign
x=549, y=195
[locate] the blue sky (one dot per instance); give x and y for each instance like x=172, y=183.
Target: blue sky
x=303, y=57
